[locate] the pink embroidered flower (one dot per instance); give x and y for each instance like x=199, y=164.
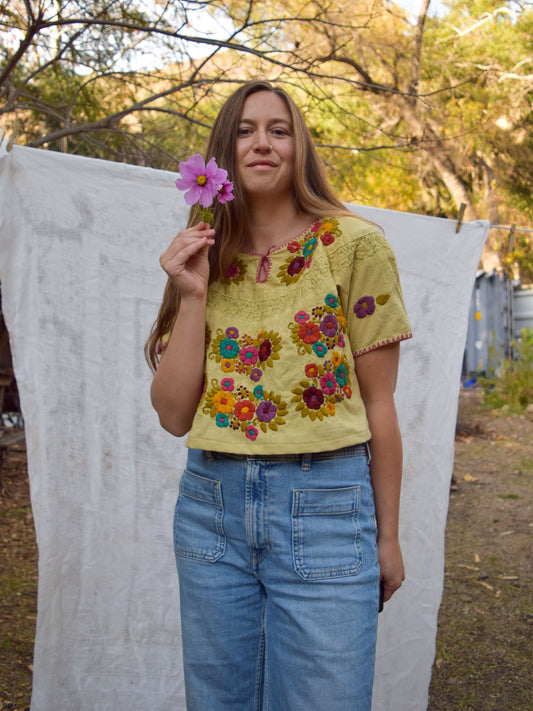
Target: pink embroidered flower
x=252, y=432
x=364, y=307
x=256, y=374
x=244, y=410
x=293, y=246
x=224, y=192
x=265, y=350
x=309, y=332
x=341, y=341
x=327, y=238
x=296, y=266
x=329, y=325
x=249, y=355
x=202, y=182
x=266, y=411
x=231, y=272
x=227, y=384
x=301, y=317
x=311, y=370
x=313, y=398
x=328, y=383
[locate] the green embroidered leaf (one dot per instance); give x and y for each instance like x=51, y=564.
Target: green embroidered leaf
x=263, y=426
x=298, y=391
x=273, y=426
x=382, y=299
x=299, y=406
x=312, y=415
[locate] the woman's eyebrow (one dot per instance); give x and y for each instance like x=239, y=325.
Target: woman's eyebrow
x=272, y=121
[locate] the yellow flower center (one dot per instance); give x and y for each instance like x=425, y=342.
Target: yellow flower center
x=201, y=180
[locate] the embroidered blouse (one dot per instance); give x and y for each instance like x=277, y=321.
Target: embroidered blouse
x=282, y=332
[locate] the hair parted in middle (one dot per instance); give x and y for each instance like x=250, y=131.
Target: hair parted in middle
x=311, y=191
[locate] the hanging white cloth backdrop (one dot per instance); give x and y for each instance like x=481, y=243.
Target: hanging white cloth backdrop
x=79, y=246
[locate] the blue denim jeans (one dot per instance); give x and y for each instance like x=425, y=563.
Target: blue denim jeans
x=278, y=575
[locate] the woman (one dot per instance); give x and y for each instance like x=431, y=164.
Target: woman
x=280, y=328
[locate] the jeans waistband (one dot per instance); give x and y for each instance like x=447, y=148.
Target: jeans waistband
x=355, y=450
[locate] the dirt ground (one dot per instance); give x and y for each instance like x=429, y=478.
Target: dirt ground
x=485, y=636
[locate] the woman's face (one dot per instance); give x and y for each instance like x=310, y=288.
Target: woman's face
x=265, y=146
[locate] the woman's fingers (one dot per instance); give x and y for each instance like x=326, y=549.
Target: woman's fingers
x=185, y=259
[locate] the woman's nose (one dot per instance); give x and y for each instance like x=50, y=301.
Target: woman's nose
x=262, y=141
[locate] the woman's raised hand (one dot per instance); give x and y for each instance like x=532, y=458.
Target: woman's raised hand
x=185, y=261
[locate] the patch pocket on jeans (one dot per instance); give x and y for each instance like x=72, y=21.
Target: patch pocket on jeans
x=198, y=525
x=326, y=535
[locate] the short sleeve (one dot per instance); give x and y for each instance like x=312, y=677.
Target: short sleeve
x=371, y=294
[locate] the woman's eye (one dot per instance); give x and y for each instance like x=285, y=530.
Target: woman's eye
x=280, y=132
x=244, y=132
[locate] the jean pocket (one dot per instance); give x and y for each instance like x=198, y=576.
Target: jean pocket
x=326, y=534
x=198, y=519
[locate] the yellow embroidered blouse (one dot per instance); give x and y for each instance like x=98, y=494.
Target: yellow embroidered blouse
x=281, y=331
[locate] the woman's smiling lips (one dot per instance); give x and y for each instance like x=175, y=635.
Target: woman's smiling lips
x=262, y=164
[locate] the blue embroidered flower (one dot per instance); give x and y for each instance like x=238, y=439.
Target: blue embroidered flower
x=222, y=420
x=341, y=375
x=309, y=247
x=228, y=348
x=320, y=349
x=331, y=300
x=258, y=391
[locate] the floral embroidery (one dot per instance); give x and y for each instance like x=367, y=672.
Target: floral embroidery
x=322, y=330
x=327, y=381
x=236, y=272
x=246, y=410
x=245, y=354
x=326, y=386
x=366, y=305
x=301, y=250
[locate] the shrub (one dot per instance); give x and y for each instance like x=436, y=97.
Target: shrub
x=510, y=381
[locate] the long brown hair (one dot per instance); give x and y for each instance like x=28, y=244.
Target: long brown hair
x=312, y=195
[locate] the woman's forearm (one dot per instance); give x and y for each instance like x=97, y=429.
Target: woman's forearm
x=177, y=385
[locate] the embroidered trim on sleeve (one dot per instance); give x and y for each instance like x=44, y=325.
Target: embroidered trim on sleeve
x=386, y=342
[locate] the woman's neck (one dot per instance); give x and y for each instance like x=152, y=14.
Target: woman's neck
x=272, y=226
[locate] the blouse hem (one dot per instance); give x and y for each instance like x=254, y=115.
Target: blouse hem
x=280, y=448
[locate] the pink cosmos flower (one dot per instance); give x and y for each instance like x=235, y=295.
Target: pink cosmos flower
x=202, y=182
x=224, y=192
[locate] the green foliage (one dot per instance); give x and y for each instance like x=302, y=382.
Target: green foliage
x=509, y=382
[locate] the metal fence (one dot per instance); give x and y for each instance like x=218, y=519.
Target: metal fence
x=498, y=311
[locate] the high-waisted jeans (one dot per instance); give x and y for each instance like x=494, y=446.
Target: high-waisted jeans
x=278, y=574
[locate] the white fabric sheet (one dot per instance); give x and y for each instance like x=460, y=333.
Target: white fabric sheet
x=80, y=240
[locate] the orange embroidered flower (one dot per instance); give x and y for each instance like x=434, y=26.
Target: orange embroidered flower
x=330, y=408
x=228, y=366
x=336, y=358
x=309, y=332
x=311, y=370
x=244, y=410
x=223, y=402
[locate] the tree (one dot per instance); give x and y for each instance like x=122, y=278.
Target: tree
x=419, y=116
